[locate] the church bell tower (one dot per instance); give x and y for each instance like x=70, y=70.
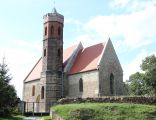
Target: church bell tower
x=51, y=76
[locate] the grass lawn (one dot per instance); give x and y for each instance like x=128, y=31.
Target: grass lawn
x=106, y=111
x=47, y=118
x=12, y=117
x=20, y=117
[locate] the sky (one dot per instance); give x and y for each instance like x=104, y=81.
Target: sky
x=130, y=24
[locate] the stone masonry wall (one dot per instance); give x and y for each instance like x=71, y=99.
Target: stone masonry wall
x=90, y=84
x=29, y=99
x=110, y=64
x=27, y=92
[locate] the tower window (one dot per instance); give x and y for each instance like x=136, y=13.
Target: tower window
x=45, y=52
x=81, y=85
x=111, y=84
x=42, y=92
x=58, y=52
x=52, y=30
x=59, y=31
x=33, y=90
x=45, y=31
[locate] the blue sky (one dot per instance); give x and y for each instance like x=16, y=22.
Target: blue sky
x=129, y=23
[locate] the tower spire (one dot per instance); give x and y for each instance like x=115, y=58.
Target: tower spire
x=54, y=9
x=54, y=3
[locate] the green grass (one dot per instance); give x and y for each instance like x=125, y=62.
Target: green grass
x=106, y=111
x=20, y=117
x=12, y=117
x=46, y=118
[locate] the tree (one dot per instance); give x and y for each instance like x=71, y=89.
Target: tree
x=144, y=83
x=149, y=67
x=8, y=96
x=137, y=84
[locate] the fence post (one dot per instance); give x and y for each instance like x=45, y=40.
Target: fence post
x=27, y=106
x=24, y=108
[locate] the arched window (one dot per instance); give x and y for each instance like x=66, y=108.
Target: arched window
x=42, y=92
x=59, y=31
x=81, y=85
x=52, y=30
x=111, y=84
x=33, y=90
x=45, y=31
x=59, y=52
x=45, y=52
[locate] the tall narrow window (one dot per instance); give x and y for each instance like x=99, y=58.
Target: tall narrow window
x=81, y=85
x=111, y=84
x=52, y=30
x=45, y=52
x=42, y=92
x=45, y=31
x=59, y=31
x=58, y=52
x=33, y=90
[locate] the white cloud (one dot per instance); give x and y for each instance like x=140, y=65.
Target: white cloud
x=20, y=58
x=119, y=3
x=134, y=65
x=132, y=5
x=135, y=30
x=72, y=21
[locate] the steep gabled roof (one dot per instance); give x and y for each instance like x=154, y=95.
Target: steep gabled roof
x=35, y=72
x=68, y=52
x=88, y=59
x=37, y=69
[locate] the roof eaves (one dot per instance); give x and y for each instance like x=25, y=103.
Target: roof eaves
x=32, y=80
x=82, y=71
x=32, y=69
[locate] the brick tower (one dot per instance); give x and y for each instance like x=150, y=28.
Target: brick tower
x=51, y=76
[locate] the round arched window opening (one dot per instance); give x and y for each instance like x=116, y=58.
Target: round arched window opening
x=52, y=30
x=59, y=52
x=81, y=85
x=45, y=31
x=59, y=31
x=111, y=84
x=33, y=90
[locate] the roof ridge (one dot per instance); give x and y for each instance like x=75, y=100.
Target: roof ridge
x=95, y=45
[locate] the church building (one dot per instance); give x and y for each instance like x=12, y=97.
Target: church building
x=94, y=71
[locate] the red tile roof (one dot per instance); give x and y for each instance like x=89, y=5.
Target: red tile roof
x=35, y=72
x=88, y=59
x=67, y=52
x=37, y=69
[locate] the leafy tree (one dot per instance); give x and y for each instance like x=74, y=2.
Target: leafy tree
x=149, y=67
x=137, y=84
x=144, y=83
x=8, y=97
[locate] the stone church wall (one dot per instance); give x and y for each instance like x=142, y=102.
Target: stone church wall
x=33, y=103
x=90, y=84
x=27, y=91
x=110, y=64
